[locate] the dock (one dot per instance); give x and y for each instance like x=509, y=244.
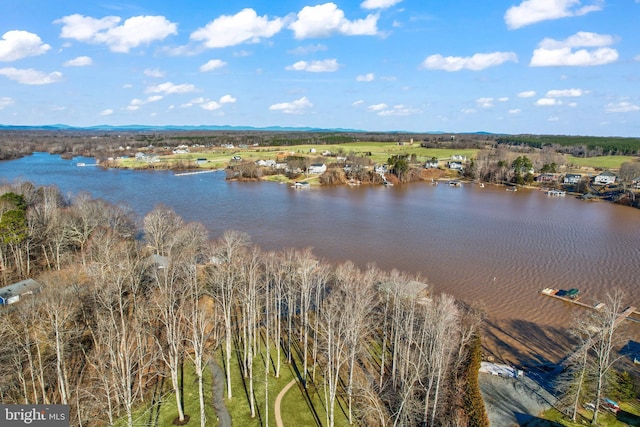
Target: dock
x=195, y=172
x=573, y=296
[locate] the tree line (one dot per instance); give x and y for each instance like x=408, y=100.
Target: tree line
x=125, y=306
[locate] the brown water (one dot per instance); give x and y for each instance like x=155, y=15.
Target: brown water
x=483, y=245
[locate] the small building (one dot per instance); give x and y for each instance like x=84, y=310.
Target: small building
x=572, y=178
x=635, y=183
x=431, y=164
x=605, y=178
x=458, y=158
x=201, y=161
x=546, y=177
x=317, y=168
x=12, y=293
x=455, y=165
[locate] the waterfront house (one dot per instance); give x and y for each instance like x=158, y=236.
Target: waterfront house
x=317, y=168
x=13, y=293
x=201, y=161
x=605, y=178
x=455, y=165
x=572, y=178
x=635, y=183
x=546, y=177
x=431, y=164
x=458, y=158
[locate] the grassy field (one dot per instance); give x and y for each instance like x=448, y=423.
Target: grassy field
x=378, y=152
x=605, y=418
x=602, y=162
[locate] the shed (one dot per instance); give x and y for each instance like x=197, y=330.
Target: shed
x=12, y=293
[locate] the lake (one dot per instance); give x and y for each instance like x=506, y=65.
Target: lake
x=483, y=245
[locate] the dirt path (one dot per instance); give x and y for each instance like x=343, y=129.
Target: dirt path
x=279, y=399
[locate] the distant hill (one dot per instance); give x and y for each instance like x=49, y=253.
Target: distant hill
x=177, y=128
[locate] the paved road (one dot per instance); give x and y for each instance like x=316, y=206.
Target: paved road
x=279, y=399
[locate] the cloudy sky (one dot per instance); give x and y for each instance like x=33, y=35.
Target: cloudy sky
x=516, y=66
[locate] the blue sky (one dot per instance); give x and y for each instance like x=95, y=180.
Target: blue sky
x=520, y=66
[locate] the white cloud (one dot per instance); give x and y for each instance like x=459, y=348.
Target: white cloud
x=30, y=76
x=515, y=111
x=621, y=107
x=558, y=93
x=384, y=110
x=106, y=112
x=324, y=66
x=326, y=19
x=299, y=106
x=227, y=99
x=503, y=99
x=156, y=72
x=637, y=58
x=477, y=62
x=358, y=102
x=468, y=110
x=212, y=64
x=378, y=4
x=485, y=102
x=527, y=94
x=231, y=30
x=377, y=107
x=369, y=77
x=211, y=106
x=17, y=44
x=305, y=50
x=548, y=102
x=137, y=102
x=169, y=88
x=80, y=61
x=5, y=101
x=133, y=32
x=595, y=51
x=531, y=11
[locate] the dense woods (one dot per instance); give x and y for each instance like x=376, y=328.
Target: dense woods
x=126, y=304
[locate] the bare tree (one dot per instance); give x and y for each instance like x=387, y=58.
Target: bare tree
x=222, y=278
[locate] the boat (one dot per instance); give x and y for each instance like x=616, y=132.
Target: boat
x=512, y=189
x=455, y=183
x=556, y=193
x=301, y=185
x=482, y=185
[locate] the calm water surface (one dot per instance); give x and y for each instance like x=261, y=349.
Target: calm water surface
x=479, y=244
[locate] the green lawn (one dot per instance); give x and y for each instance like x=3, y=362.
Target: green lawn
x=379, y=153
x=602, y=162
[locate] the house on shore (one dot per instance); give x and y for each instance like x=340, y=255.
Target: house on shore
x=317, y=168
x=572, y=178
x=13, y=293
x=605, y=178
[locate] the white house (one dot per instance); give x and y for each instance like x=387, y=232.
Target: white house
x=431, y=164
x=456, y=166
x=458, y=158
x=605, y=178
x=572, y=178
x=317, y=168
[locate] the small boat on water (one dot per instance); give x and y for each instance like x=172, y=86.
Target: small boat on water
x=512, y=189
x=556, y=193
x=455, y=183
x=301, y=185
x=482, y=185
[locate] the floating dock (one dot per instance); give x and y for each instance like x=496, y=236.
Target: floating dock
x=573, y=296
x=195, y=172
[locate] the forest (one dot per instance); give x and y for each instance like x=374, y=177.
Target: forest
x=136, y=308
